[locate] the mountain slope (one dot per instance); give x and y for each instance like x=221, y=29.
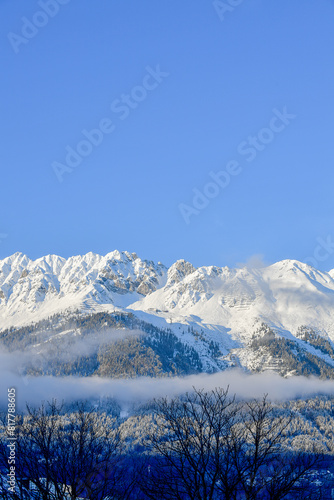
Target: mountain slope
x=30, y=290
x=222, y=314
x=287, y=295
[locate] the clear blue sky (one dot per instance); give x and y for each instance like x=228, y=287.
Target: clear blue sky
x=225, y=78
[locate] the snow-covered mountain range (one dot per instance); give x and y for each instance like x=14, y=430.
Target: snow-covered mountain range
x=227, y=306
x=31, y=290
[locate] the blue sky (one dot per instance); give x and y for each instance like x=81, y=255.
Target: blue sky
x=181, y=89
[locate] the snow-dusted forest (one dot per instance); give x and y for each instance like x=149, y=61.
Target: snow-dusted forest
x=201, y=445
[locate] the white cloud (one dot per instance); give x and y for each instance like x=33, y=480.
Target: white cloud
x=36, y=389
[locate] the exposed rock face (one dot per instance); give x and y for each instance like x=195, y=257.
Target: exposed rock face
x=217, y=312
x=178, y=271
x=26, y=285
x=285, y=295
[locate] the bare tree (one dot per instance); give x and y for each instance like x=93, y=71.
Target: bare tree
x=266, y=467
x=204, y=446
x=71, y=455
x=191, y=452
x=212, y=447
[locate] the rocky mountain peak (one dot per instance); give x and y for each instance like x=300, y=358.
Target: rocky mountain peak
x=178, y=271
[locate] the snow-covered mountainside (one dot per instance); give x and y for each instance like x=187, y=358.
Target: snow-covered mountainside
x=229, y=316
x=286, y=295
x=31, y=290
